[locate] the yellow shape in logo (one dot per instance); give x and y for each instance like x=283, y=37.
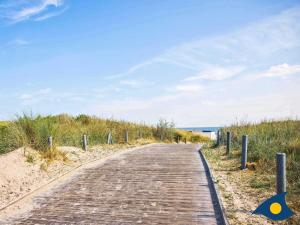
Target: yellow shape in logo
x=275, y=208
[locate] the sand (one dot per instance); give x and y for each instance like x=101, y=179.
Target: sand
x=21, y=180
x=18, y=177
x=238, y=197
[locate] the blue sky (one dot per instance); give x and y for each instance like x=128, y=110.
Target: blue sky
x=197, y=63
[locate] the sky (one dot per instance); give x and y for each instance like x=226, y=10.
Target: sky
x=197, y=63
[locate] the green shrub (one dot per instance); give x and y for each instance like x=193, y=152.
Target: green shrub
x=165, y=130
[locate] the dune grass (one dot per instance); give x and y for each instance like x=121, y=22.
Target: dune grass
x=265, y=140
x=11, y=137
x=66, y=130
x=189, y=136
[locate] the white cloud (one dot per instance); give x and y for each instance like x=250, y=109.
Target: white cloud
x=49, y=15
x=217, y=73
x=233, y=52
x=36, y=96
x=131, y=83
x=281, y=70
x=18, y=42
x=44, y=91
x=209, y=107
x=272, y=41
x=134, y=69
x=136, y=83
x=48, y=95
x=24, y=10
x=247, y=47
x=26, y=97
x=188, y=88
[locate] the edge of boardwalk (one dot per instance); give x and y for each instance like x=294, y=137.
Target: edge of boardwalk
x=218, y=207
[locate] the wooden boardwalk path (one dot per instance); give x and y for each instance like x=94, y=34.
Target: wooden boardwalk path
x=158, y=184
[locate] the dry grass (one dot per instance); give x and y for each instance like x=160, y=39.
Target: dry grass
x=265, y=140
x=66, y=130
x=190, y=136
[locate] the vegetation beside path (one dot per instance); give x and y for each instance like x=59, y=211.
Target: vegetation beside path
x=66, y=130
x=258, y=181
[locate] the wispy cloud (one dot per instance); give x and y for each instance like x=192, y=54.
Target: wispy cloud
x=18, y=42
x=36, y=96
x=197, y=79
x=136, y=83
x=188, y=88
x=17, y=11
x=281, y=70
x=49, y=15
x=217, y=73
x=225, y=56
x=134, y=69
x=49, y=95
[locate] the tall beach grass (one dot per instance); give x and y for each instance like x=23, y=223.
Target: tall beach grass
x=66, y=130
x=265, y=140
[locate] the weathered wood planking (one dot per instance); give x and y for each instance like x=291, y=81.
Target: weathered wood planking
x=160, y=184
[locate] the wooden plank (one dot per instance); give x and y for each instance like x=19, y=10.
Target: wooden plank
x=160, y=184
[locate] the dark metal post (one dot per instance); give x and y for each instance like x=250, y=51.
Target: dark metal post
x=244, y=151
x=228, y=142
x=50, y=142
x=281, y=172
x=84, y=142
x=218, y=138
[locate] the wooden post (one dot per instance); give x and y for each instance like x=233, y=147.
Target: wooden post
x=126, y=136
x=185, y=140
x=228, y=142
x=84, y=142
x=161, y=137
x=280, y=173
x=218, y=138
x=109, y=138
x=244, y=151
x=178, y=139
x=50, y=142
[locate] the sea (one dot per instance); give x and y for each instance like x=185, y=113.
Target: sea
x=200, y=129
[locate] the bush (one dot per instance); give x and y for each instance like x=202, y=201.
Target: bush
x=165, y=130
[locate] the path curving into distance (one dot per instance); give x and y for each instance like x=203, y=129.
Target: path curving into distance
x=158, y=184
